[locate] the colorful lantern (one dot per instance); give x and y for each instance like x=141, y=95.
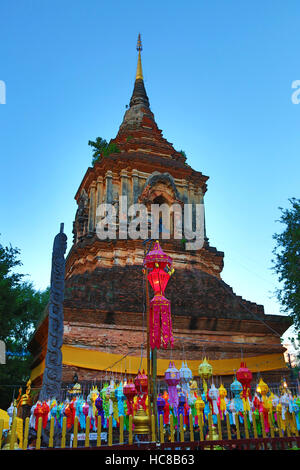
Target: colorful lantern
x=244, y=375
x=160, y=407
x=141, y=385
x=160, y=323
x=199, y=405
x=222, y=400
x=120, y=397
x=105, y=401
x=275, y=401
x=262, y=388
x=296, y=410
x=231, y=411
x=284, y=401
x=213, y=395
x=284, y=387
x=181, y=404
x=114, y=403
x=205, y=372
x=130, y=392
x=38, y=413
x=141, y=382
x=172, y=377
x=166, y=409
x=26, y=399
x=186, y=376
x=99, y=406
x=236, y=387
x=194, y=388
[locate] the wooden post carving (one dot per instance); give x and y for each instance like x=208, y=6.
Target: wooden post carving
x=51, y=387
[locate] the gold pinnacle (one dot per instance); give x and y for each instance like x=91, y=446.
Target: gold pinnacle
x=139, y=48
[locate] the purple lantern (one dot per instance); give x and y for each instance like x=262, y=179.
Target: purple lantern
x=160, y=407
x=99, y=406
x=172, y=377
x=181, y=403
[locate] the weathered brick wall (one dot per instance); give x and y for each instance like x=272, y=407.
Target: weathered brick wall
x=191, y=292
x=124, y=338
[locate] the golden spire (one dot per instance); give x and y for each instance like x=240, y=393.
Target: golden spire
x=139, y=48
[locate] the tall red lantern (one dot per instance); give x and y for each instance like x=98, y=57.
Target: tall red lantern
x=244, y=375
x=141, y=385
x=160, y=325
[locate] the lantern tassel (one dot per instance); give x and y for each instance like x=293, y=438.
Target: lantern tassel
x=160, y=322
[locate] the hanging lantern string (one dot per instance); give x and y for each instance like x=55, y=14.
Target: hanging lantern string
x=178, y=337
x=119, y=360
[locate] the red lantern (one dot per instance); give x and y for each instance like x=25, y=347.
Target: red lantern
x=158, y=279
x=130, y=392
x=141, y=382
x=160, y=310
x=244, y=375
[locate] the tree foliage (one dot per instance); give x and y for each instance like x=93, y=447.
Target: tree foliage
x=20, y=309
x=287, y=261
x=101, y=148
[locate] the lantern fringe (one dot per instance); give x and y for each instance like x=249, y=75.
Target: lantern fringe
x=160, y=323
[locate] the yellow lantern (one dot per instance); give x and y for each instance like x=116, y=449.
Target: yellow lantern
x=222, y=395
x=199, y=405
x=205, y=372
x=263, y=389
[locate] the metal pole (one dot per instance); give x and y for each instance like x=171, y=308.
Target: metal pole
x=154, y=390
x=148, y=347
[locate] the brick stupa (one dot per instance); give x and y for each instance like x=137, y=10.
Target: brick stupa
x=104, y=305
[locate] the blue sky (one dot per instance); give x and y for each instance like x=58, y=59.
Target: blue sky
x=219, y=78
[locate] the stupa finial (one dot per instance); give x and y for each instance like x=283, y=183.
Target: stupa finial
x=139, y=48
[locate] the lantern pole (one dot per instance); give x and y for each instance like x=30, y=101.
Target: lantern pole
x=151, y=402
x=148, y=348
x=151, y=365
x=154, y=390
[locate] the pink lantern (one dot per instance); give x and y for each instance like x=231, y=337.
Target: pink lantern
x=160, y=323
x=172, y=378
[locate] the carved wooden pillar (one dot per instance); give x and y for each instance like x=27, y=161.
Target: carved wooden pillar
x=51, y=387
